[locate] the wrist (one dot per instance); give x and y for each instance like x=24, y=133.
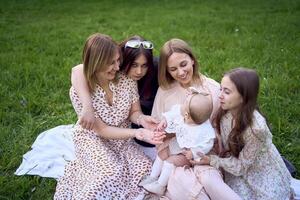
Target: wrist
x=138, y=134
x=134, y=133
x=212, y=161
x=139, y=119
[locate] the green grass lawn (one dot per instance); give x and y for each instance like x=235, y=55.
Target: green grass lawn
x=41, y=40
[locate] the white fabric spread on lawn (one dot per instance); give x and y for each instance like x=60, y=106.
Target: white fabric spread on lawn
x=53, y=148
x=296, y=187
x=51, y=151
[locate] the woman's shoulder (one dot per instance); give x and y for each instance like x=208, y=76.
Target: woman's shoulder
x=259, y=126
x=123, y=83
x=259, y=121
x=78, y=66
x=206, y=81
x=123, y=79
x=211, y=86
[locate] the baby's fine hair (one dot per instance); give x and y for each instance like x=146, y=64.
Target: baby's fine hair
x=200, y=107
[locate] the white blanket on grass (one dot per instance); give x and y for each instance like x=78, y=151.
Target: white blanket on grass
x=53, y=148
x=50, y=152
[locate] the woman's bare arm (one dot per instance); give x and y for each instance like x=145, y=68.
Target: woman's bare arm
x=79, y=82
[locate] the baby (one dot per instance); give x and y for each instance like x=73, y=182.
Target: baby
x=194, y=133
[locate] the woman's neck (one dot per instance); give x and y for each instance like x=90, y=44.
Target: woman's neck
x=104, y=84
x=185, y=86
x=194, y=83
x=234, y=113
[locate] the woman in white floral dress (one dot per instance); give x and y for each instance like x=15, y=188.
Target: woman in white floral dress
x=108, y=164
x=253, y=167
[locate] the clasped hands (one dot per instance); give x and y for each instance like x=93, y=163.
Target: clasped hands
x=203, y=160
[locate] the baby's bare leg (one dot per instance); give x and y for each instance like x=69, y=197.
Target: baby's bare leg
x=164, y=153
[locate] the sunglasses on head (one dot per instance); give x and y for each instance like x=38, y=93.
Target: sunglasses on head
x=137, y=43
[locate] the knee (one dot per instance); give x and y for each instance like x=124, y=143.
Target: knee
x=205, y=180
x=209, y=179
x=163, y=153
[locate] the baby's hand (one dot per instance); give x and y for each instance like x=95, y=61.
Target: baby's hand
x=87, y=118
x=162, y=125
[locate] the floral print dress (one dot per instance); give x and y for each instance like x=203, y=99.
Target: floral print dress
x=105, y=168
x=259, y=172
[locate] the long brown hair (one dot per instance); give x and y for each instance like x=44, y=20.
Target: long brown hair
x=129, y=56
x=98, y=53
x=247, y=84
x=178, y=46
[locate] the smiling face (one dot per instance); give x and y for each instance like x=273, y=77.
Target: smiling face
x=230, y=98
x=180, y=67
x=138, y=68
x=109, y=73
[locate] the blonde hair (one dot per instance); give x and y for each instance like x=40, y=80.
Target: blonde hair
x=178, y=46
x=200, y=107
x=98, y=53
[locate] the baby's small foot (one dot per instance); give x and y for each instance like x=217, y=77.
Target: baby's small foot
x=147, y=180
x=155, y=188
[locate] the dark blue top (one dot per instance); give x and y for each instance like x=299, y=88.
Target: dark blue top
x=147, y=96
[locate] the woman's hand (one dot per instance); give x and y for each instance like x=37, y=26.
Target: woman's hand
x=152, y=137
x=205, y=160
x=87, y=118
x=148, y=122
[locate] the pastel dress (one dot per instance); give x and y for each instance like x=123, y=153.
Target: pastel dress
x=259, y=171
x=196, y=137
x=183, y=182
x=105, y=168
